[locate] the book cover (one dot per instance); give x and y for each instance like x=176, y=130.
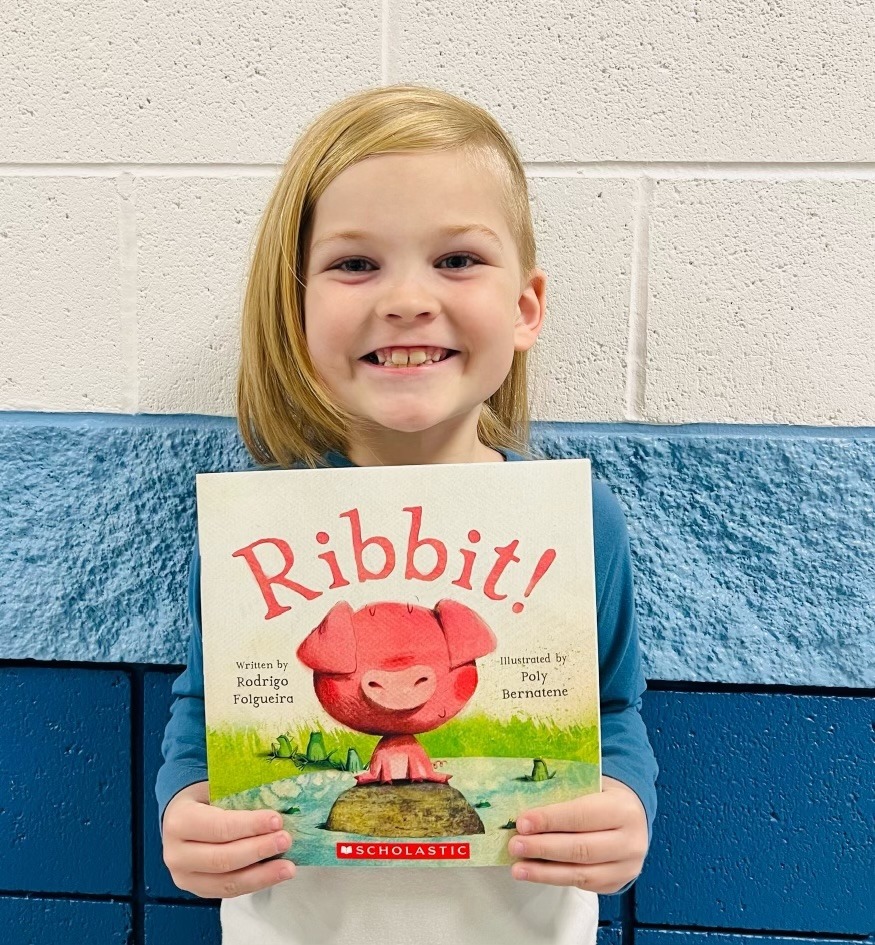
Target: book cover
x=400, y=659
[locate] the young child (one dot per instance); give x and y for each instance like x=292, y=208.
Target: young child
x=392, y=298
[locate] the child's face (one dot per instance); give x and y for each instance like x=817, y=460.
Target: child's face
x=406, y=286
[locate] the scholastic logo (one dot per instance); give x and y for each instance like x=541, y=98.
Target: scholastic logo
x=403, y=851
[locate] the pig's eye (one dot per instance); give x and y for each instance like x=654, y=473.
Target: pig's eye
x=374, y=685
x=421, y=679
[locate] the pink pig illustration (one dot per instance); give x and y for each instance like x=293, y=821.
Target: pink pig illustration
x=396, y=670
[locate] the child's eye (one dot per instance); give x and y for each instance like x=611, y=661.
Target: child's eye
x=359, y=259
x=470, y=256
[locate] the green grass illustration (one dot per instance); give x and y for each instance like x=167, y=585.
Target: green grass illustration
x=242, y=758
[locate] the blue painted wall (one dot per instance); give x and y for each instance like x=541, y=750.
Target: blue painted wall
x=754, y=562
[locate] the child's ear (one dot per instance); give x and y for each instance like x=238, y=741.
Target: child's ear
x=531, y=309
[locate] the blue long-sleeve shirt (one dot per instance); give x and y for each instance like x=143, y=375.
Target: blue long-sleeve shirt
x=626, y=752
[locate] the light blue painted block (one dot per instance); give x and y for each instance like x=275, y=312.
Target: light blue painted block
x=754, y=549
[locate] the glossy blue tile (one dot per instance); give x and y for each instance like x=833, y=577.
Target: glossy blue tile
x=644, y=936
x=182, y=925
x=65, y=781
x=766, y=813
x=25, y=921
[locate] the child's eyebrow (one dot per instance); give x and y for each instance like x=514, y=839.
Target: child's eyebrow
x=458, y=229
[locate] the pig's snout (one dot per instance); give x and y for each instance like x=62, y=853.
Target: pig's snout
x=400, y=689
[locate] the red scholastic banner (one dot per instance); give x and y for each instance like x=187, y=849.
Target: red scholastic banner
x=403, y=851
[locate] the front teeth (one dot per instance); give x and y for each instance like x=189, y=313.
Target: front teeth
x=401, y=357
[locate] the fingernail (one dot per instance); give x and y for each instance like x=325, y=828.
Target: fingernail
x=283, y=842
x=287, y=871
x=517, y=848
x=276, y=822
x=523, y=826
x=519, y=873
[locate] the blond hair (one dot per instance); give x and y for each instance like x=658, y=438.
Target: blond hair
x=285, y=412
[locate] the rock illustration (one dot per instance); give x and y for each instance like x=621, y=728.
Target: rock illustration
x=422, y=809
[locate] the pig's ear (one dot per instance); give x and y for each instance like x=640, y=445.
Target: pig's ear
x=330, y=647
x=468, y=637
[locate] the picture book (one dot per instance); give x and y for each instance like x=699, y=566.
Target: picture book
x=400, y=660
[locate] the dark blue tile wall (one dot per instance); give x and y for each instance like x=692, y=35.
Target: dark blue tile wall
x=610, y=935
x=36, y=921
x=191, y=925
x=65, y=781
x=765, y=822
x=766, y=813
x=676, y=937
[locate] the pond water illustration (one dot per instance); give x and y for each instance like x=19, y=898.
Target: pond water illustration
x=495, y=787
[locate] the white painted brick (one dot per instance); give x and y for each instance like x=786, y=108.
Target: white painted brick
x=194, y=236
x=761, y=302
x=204, y=80
x=772, y=80
x=584, y=234
x=63, y=341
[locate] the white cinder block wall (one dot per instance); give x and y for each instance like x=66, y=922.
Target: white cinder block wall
x=702, y=173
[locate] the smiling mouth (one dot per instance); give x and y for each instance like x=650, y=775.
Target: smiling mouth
x=408, y=357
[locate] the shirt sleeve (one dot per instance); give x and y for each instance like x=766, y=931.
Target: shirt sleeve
x=626, y=752
x=184, y=747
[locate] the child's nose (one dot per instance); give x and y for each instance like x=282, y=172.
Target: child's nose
x=409, y=312
x=408, y=301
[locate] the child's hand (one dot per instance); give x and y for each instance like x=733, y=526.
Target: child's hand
x=210, y=851
x=596, y=842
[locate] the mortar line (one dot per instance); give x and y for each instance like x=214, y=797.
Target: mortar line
x=677, y=170
x=636, y=341
x=126, y=185
x=384, y=42
x=137, y=716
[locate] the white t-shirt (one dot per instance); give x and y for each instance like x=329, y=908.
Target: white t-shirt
x=410, y=906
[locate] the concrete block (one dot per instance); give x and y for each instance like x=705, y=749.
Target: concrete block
x=717, y=81
x=65, y=342
x=760, y=307
x=182, y=925
x=163, y=83
x=65, y=823
x=751, y=548
x=610, y=908
x=193, y=237
x=609, y=935
x=35, y=921
x=99, y=533
x=584, y=234
x=644, y=936
x=765, y=813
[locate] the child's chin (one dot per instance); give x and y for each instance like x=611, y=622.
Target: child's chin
x=408, y=422
x=412, y=419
